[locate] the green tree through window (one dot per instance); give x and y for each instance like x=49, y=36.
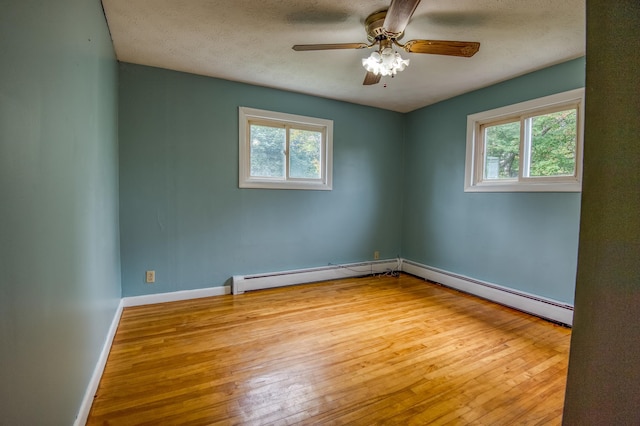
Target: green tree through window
x=304, y=160
x=267, y=151
x=269, y=147
x=550, y=146
x=502, y=145
x=553, y=144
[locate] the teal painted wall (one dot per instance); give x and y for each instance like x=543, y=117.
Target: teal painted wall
x=183, y=215
x=525, y=241
x=59, y=250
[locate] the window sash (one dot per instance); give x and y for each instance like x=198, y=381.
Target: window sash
x=524, y=150
x=522, y=113
x=287, y=150
x=249, y=117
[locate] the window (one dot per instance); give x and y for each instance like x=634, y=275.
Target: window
x=530, y=146
x=284, y=151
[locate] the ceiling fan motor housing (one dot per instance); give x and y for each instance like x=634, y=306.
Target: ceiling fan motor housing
x=374, y=27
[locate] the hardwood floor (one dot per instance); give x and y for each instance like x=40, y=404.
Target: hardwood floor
x=376, y=350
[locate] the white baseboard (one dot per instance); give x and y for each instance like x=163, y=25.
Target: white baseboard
x=242, y=283
x=92, y=388
x=536, y=305
x=174, y=296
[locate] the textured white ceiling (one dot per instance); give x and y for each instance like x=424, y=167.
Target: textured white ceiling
x=250, y=41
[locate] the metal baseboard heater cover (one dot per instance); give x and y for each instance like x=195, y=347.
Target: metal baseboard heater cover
x=242, y=283
x=536, y=305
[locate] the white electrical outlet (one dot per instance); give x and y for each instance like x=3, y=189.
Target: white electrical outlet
x=376, y=255
x=151, y=276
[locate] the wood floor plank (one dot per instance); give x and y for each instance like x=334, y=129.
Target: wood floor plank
x=373, y=350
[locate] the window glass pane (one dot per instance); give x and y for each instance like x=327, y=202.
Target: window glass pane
x=502, y=149
x=305, y=154
x=267, y=151
x=553, y=144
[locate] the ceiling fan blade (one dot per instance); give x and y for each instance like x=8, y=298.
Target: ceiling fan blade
x=304, y=47
x=371, y=78
x=443, y=47
x=398, y=16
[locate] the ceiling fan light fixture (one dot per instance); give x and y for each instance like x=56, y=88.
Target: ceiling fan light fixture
x=384, y=28
x=387, y=62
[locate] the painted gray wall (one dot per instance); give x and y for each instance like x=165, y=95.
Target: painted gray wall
x=603, y=384
x=59, y=259
x=183, y=215
x=525, y=241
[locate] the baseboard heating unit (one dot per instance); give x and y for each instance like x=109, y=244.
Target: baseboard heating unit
x=242, y=283
x=522, y=301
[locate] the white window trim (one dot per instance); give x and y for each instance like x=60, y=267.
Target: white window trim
x=247, y=181
x=473, y=167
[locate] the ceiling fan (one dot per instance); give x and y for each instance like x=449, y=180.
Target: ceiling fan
x=384, y=29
